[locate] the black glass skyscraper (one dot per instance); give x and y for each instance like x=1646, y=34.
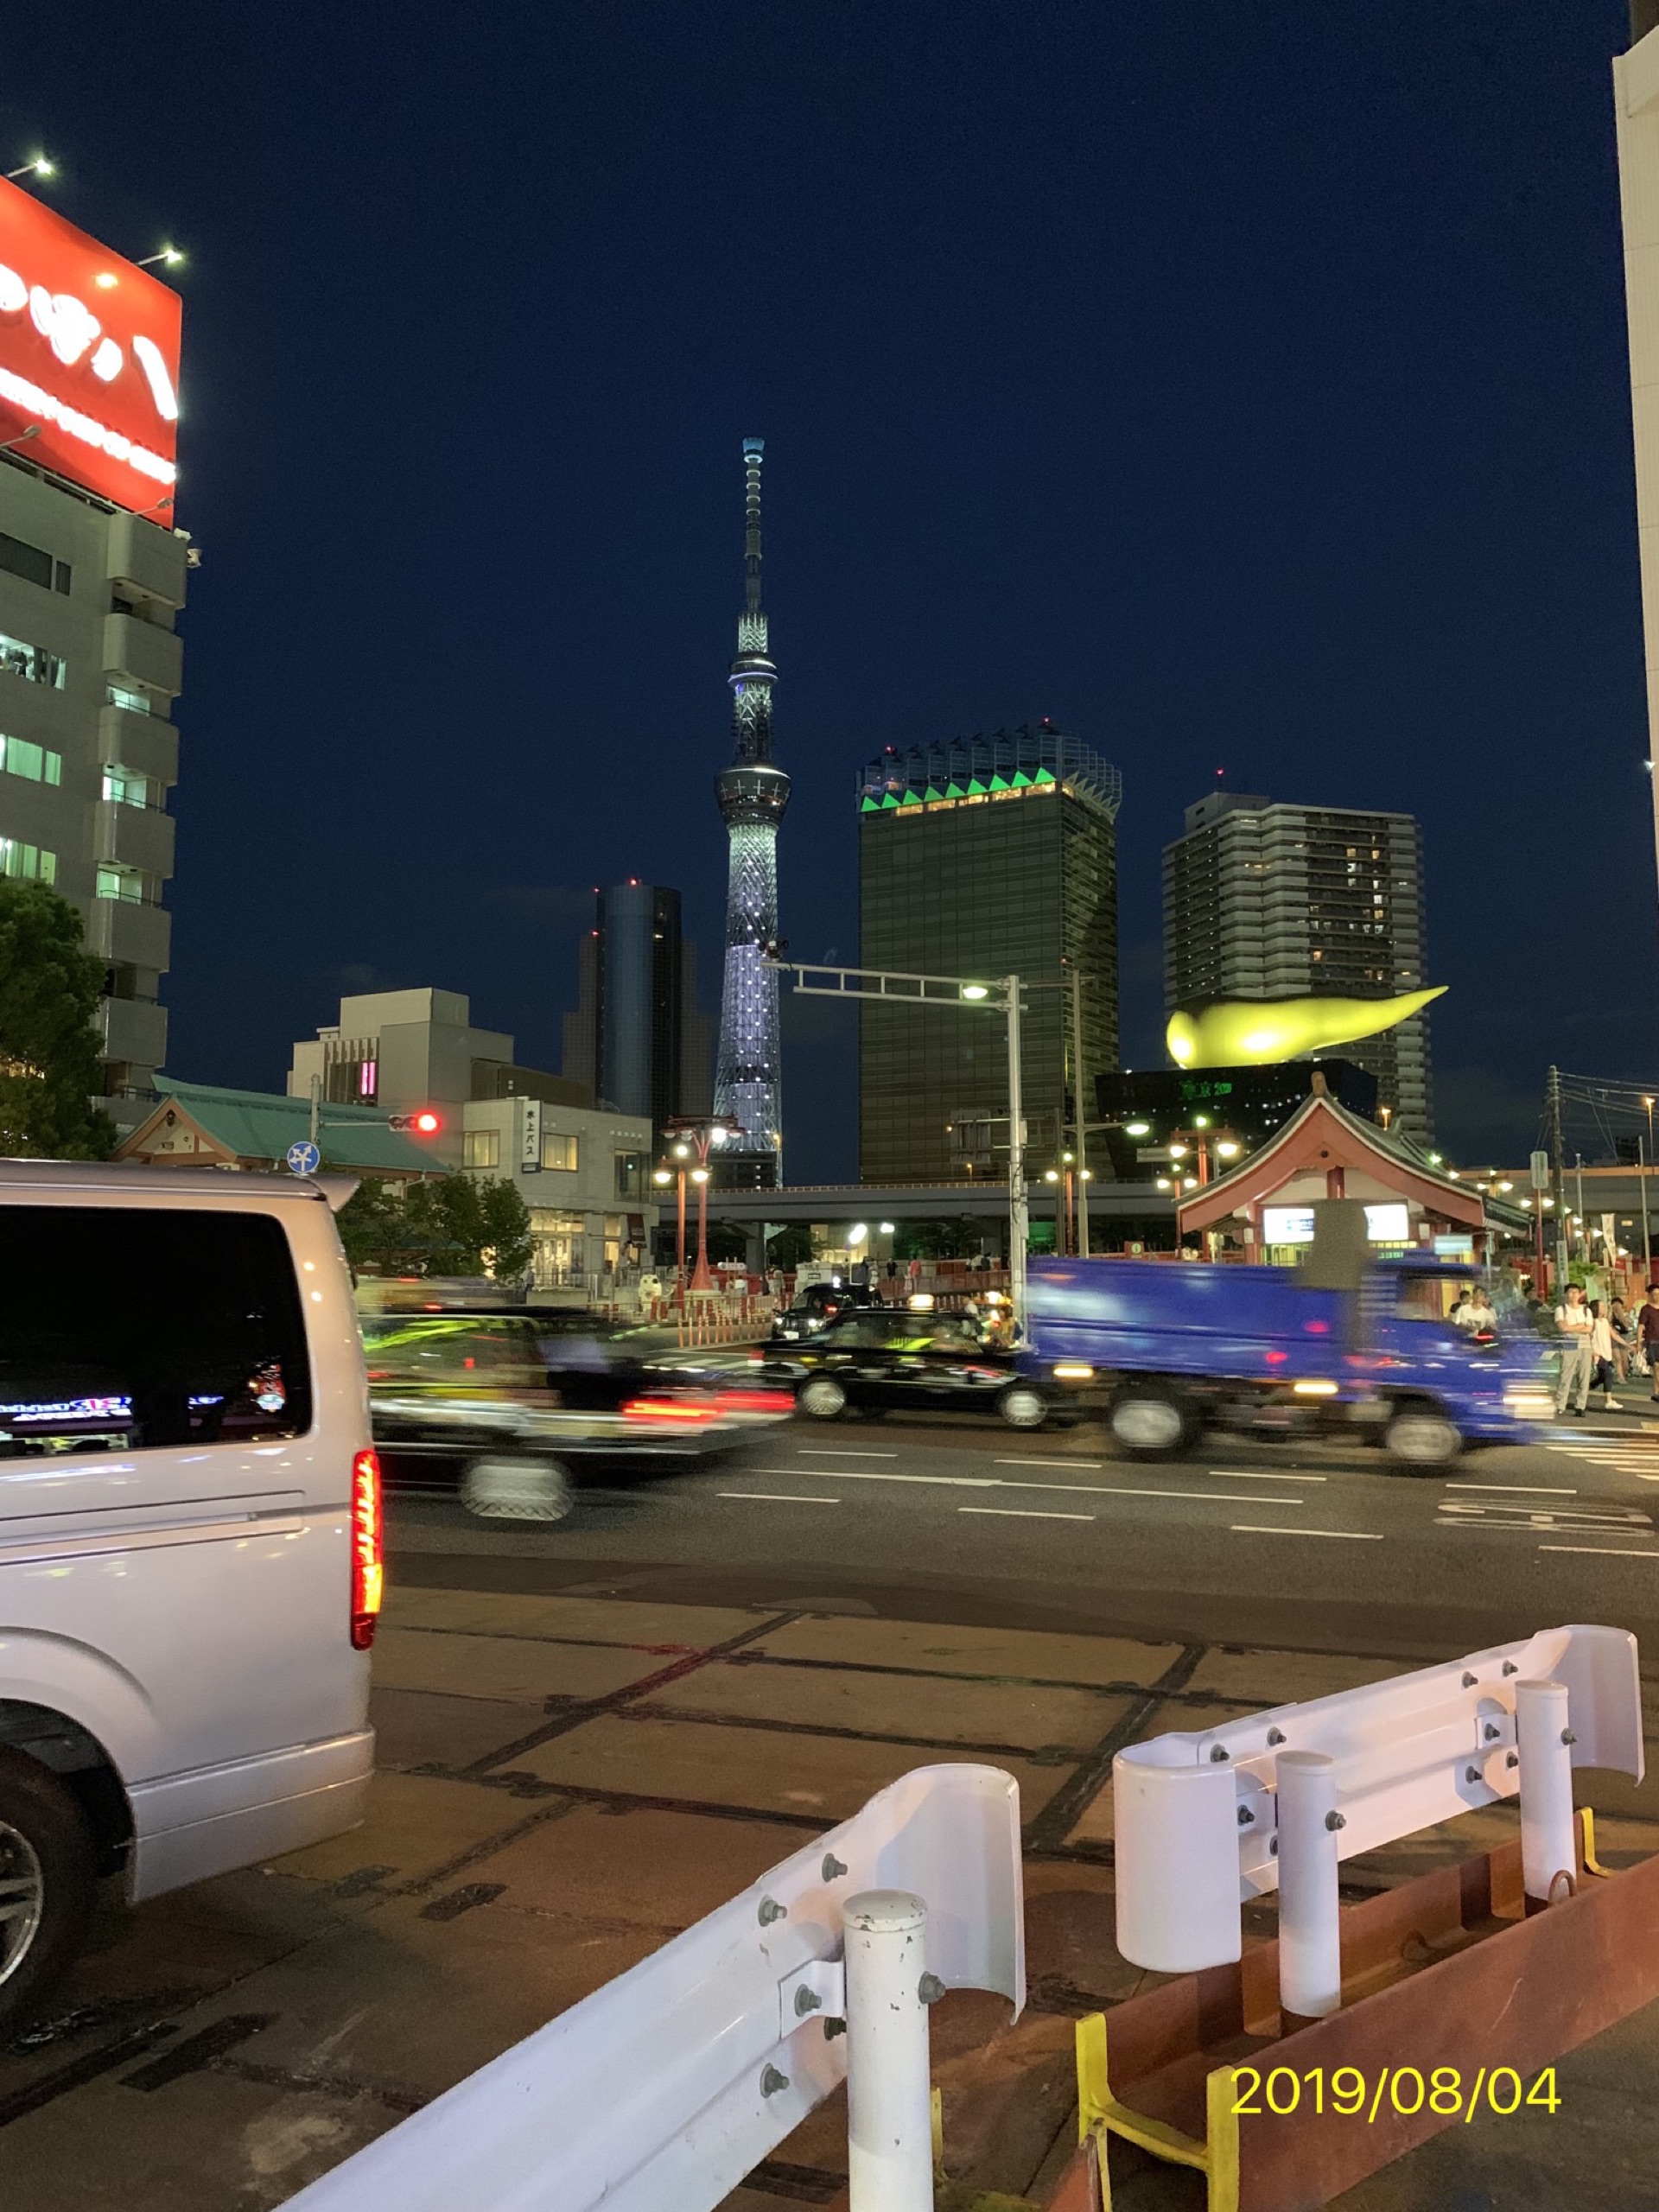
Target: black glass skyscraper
x=985, y=857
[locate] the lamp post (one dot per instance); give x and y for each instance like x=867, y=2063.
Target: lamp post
x=904, y=989
x=697, y=1133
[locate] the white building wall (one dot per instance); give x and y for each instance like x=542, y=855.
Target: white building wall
x=1636, y=100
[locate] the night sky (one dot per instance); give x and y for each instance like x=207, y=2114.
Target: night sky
x=1242, y=385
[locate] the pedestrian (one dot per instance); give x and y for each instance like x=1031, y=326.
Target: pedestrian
x=1647, y=1323
x=1573, y=1323
x=1601, y=1351
x=1623, y=1329
x=1479, y=1316
x=1455, y=1312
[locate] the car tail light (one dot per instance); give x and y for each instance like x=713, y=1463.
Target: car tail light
x=368, y=1556
x=666, y=1409
x=755, y=1401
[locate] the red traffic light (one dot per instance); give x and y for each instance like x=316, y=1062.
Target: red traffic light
x=426, y=1123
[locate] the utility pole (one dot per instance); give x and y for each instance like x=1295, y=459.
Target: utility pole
x=1019, y=1225
x=1647, y=1242
x=316, y=1102
x=1558, y=1181
x=1079, y=1111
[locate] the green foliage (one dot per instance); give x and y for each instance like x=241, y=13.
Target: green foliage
x=958, y=1239
x=49, y=990
x=790, y=1247
x=451, y=1225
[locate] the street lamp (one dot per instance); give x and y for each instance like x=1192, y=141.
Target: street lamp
x=39, y=166
x=1003, y=996
x=697, y=1133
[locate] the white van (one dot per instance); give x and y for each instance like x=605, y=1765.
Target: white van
x=190, y=1541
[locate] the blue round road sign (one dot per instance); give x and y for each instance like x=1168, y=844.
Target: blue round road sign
x=304, y=1158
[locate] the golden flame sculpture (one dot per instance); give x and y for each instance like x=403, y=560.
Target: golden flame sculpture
x=1256, y=1033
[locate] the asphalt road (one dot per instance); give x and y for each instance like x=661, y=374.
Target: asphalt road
x=1321, y=1546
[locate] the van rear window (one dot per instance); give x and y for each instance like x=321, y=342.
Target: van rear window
x=133, y=1325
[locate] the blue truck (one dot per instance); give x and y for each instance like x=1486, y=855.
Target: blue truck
x=1166, y=1350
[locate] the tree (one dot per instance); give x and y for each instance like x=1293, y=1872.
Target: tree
x=448, y=1225
x=961, y=1238
x=49, y=990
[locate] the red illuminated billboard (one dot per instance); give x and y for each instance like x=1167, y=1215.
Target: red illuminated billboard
x=89, y=351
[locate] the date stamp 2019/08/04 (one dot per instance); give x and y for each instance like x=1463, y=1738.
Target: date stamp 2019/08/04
x=1348, y=2094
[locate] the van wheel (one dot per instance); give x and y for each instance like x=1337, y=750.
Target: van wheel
x=1418, y=1436
x=1021, y=1406
x=47, y=1875
x=822, y=1398
x=1151, y=1421
x=517, y=1489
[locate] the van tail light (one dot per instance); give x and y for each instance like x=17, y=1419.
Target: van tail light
x=368, y=1554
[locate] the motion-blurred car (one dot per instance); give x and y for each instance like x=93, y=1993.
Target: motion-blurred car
x=895, y=1359
x=512, y=1411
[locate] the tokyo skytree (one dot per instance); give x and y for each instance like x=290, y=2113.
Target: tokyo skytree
x=752, y=794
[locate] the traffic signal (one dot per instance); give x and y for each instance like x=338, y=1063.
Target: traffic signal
x=426, y=1123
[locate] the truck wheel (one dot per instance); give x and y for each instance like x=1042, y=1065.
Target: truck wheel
x=822, y=1397
x=47, y=1875
x=517, y=1489
x=1021, y=1406
x=1150, y=1422
x=1418, y=1436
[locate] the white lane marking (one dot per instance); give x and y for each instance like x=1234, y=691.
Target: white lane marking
x=1001, y=1482
x=1601, y=1551
x=1526, y=1490
x=1252, y=1475
x=840, y=1451
x=1023, y=1513
x=777, y=1497
x=1349, y=1536
x=1029, y=1462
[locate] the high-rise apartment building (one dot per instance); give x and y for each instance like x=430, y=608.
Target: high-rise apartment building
x=1268, y=901
x=984, y=857
x=637, y=1040
x=91, y=578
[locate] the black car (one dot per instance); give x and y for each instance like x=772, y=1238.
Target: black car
x=819, y=1304
x=512, y=1410
x=895, y=1359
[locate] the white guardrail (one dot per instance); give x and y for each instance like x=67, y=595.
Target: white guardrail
x=660, y=2091
x=1203, y=1821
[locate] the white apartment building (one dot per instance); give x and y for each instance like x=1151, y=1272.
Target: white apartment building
x=1266, y=901
x=583, y=1172
x=90, y=665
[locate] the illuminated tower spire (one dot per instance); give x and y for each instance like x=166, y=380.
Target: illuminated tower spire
x=752, y=794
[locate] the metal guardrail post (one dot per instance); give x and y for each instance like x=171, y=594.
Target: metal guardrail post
x=889, y=2105
x=1543, y=1745
x=1310, y=1942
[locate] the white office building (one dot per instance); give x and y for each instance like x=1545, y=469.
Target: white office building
x=90, y=665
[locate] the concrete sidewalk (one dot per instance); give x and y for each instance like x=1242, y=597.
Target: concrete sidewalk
x=568, y=1781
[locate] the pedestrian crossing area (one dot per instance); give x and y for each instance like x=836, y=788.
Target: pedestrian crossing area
x=1626, y=1455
